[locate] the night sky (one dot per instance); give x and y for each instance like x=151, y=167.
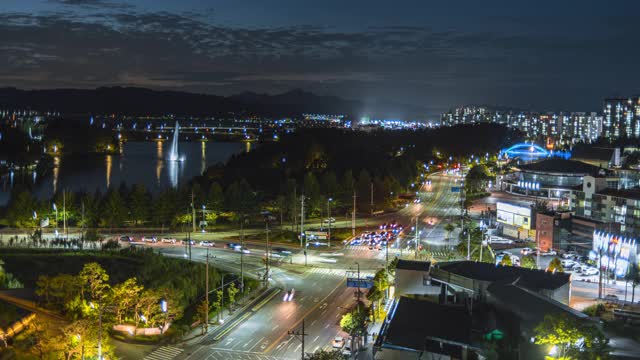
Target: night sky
x=539, y=55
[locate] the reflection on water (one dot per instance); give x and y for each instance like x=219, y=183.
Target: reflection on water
x=247, y=147
x=109, y=164
x=173, y=172
x=56, y=172
x=203, y=160
x=159, y=162
x=140, y=163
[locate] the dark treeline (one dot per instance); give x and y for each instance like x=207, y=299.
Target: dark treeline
x=322, y=164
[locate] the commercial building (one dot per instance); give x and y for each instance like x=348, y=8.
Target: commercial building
x=474, y=278
x=477, y=304
x=549, y=228
x=412, y=278
x=516, y=220
x=425, y=329
x=597, y=200
x=553, y=178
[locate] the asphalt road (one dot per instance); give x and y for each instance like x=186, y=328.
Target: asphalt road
x=321, y=296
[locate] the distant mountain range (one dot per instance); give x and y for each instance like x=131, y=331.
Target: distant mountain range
x=141, y=101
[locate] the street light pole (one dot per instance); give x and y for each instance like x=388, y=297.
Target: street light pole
x=206, y=293
x=358, y=294
x=302, y=237
x=266, y=274
x=242, y=256
x=353, y=216
x=329, y=219
x=417, y=238
x=300, y=336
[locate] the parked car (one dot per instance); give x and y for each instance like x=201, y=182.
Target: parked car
x=328, y=221
x=207, y=243
x=567, y=263
x=126, y=238
x=168, y=240
x=151, y=239
x=548, y=253
x=346, y=351
x=338, y=342
x=499, y=240
x=527, y=251
x=590, y=271
x=611, y=297
x=570, y=255
x=188, y=242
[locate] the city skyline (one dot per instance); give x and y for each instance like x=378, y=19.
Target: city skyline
x=542, y=57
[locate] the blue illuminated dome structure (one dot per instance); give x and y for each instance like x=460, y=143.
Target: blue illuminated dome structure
x=530, y=152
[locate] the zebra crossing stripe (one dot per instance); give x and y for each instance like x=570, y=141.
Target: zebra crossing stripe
x=164, y=353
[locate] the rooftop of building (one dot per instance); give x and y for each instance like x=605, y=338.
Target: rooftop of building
x=414, y=321
x=562, y=166
x=529, y=278
x=413, y=265
x=593, y=153
x=633, y=193
x=529, y=306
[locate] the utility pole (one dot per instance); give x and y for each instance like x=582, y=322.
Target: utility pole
x=600, y=273
x=329, y=220
x=64, y=215
x=206, y=294
x=358, y=294
x=83, y=224
x=300, y=336
x=100, y=332
x=353, y=216
x=295, y=200
x=242, y=256
x=537, y=250
x=469, y=245
x=481, y=246
x=193, y=212
x=266, y=273
x=371, y=198
x=302, y=237
x=417, y=237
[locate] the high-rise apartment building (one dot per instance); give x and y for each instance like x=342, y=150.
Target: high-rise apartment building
x=621, y=118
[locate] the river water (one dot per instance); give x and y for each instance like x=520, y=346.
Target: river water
x=138, y=163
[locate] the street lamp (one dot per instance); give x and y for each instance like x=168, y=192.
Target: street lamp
x=163, y=308
x=81, y=346
x=100, y=328
x=55, y=208
x=204, y=218
x=329, y=220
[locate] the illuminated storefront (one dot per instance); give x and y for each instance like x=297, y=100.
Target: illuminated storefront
x=616, y=251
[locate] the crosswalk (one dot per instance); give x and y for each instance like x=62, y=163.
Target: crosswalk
x=164, y=353
x=336, y=272
x=326, y=271
x=222, y=354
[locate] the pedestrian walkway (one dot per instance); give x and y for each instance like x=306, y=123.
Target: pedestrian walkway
x=326, y=271
x=164, y=353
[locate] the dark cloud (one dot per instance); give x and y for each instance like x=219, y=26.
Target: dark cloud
x=410, y=64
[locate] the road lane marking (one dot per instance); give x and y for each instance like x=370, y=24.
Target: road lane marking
x=232, y=326
x=265, y=301
x=313, y=308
